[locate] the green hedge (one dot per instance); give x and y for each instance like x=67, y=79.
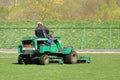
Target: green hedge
x=79, y=34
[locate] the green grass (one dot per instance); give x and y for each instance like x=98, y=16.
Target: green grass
x=102, y=67
x=78, y=38
x=59, y=23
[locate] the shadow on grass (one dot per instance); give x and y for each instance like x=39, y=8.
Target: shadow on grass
x=34, y=63
x=25, y=63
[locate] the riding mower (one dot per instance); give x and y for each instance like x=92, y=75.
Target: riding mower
x=47, y=50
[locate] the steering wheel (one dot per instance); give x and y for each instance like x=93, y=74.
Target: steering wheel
x=51, y=33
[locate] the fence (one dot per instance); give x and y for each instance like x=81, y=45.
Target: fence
x=82, y=38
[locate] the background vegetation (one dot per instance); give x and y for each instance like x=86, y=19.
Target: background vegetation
x=59, y=9
x=63, y=17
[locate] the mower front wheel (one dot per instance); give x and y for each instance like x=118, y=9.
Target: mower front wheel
x=20, y=60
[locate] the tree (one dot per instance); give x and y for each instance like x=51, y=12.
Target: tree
x=109, y=9
x=3, y=12
x=60, y=9
x=35, y=9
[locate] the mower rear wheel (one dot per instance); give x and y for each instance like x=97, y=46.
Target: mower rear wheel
x=71, y=58
x=44, y=59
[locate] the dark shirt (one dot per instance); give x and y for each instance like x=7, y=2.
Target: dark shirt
x=41, y=31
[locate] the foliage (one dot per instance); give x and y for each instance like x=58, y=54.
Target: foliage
x=109, y=10
x=34, y=9
x=61, y=9
x=3, y=13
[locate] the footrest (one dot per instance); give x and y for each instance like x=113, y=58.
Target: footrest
x=56, y=59
x=84, y=59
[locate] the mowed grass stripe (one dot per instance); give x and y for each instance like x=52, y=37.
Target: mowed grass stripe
x=102, y=67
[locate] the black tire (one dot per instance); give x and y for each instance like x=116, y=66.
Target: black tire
x=20, y=60
x=44, y=59
x=71, y=58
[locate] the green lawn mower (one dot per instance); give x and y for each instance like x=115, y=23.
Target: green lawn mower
x=47, y=50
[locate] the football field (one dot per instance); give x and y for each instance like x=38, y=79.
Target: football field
x=102, y=67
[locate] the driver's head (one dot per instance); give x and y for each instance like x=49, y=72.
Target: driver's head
x=40, y=23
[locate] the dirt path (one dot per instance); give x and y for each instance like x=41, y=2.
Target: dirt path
x=109, y=51
x=8, y=51
x=101, y=51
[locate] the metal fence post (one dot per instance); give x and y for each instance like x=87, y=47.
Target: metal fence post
x=10, y=37
x=110, y=37
x=83, y=46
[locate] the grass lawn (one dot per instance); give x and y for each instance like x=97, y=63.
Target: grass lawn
x=102, y=67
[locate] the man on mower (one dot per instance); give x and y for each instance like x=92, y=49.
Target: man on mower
x=41, y=31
